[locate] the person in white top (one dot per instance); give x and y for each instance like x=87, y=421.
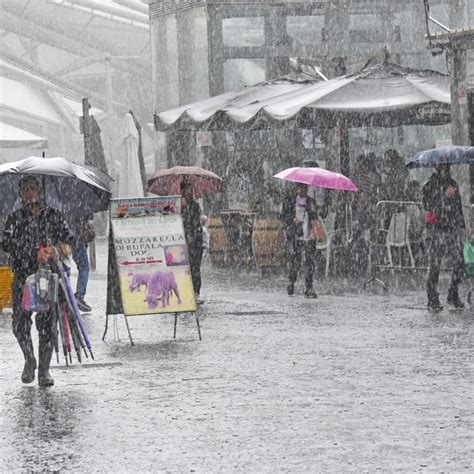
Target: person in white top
x=298, y=213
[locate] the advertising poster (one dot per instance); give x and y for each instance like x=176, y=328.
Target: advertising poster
x=151, y=255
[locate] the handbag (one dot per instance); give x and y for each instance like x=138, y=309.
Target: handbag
x=318, y=231
x=468, y=252
x=89, y=232
x=31, y=300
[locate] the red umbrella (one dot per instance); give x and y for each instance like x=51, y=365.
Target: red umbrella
x=167, y=182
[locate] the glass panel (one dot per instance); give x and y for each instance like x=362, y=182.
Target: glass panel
x=305, y=29
x=239, y=73
x=243, y=31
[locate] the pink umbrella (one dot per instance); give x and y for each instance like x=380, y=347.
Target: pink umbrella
x=167, y=182
x=318, y=177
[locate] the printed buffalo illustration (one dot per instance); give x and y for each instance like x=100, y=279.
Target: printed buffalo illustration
x=159, y=286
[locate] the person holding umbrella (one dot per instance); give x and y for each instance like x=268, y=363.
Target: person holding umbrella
x=298, y=212
x=446, y=230
x=28, y=237
x=191, y=214
x=444, y=217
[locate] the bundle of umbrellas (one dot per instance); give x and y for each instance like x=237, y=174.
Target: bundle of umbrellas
x=71, y=326
x=50, y=291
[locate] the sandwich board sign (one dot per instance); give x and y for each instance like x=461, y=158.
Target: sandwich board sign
x=148, y=270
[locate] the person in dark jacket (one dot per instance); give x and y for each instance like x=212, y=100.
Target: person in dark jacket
x=299, y=211
x=28, y=235
x=191, y=214
x=395, y=177
x=446, y=230
x=82, y=230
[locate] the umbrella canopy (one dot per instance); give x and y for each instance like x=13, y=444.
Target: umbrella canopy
x=14, y=137
x=130, y=182
x=449, y=155
x=75, y=190
x=318, y=177
x=167, y=182
x=382, y=94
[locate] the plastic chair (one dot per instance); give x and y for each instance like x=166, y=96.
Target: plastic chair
x=398, y=236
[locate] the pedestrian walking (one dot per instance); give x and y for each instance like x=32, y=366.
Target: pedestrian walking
x=191, y=214
x=446, y=230
x=28, y=237
x=299, y=211
x=83, y=232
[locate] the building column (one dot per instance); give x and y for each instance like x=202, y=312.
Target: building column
x=216, y=45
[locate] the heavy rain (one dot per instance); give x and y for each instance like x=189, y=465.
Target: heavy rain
x=236, y=236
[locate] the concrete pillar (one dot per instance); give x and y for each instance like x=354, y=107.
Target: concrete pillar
x=276, y=36
x=216, y=56
x=336, y=29
x=459, y=119
x=193, y=55
x=459, y=112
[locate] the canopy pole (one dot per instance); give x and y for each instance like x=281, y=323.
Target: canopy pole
x=344, y=148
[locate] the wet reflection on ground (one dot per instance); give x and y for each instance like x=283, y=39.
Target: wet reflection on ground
x=42, y=425
x=346, y=383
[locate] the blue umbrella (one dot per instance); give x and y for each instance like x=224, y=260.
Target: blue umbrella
x=447, y=155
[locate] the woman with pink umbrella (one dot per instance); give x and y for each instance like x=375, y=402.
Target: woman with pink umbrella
x=300, y=212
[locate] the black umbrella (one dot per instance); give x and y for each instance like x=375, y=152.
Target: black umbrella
x=75, y=190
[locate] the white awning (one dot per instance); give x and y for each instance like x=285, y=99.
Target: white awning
x=23, y=98
x=382, y=94
x=13, y=137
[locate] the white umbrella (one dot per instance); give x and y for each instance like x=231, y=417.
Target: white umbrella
x=130, y=181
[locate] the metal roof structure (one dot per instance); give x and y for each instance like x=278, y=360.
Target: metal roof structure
x=67, y=50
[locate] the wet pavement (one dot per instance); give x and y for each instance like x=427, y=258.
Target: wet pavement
x=351, y=381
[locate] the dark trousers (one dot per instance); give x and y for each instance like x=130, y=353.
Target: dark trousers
x=299, y=249
x=450, y=246
x=21, y=319
x=195, y=259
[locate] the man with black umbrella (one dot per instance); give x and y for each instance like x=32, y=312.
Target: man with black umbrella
x=446, y=230
x=28, y=236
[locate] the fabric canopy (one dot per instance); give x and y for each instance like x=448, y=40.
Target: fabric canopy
x=383, y=94
x=25, y=99
x=13, y=137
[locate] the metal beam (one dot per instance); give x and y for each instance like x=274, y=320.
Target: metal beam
x=111, y=10
x=137, y=6
x=39, y=77
x=38, y=28
x=36, y=32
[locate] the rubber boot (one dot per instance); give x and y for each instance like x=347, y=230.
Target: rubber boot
x=309, y=292
x=433, y=300
x=45, y=352
x=28, y=374
x=453, y=298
